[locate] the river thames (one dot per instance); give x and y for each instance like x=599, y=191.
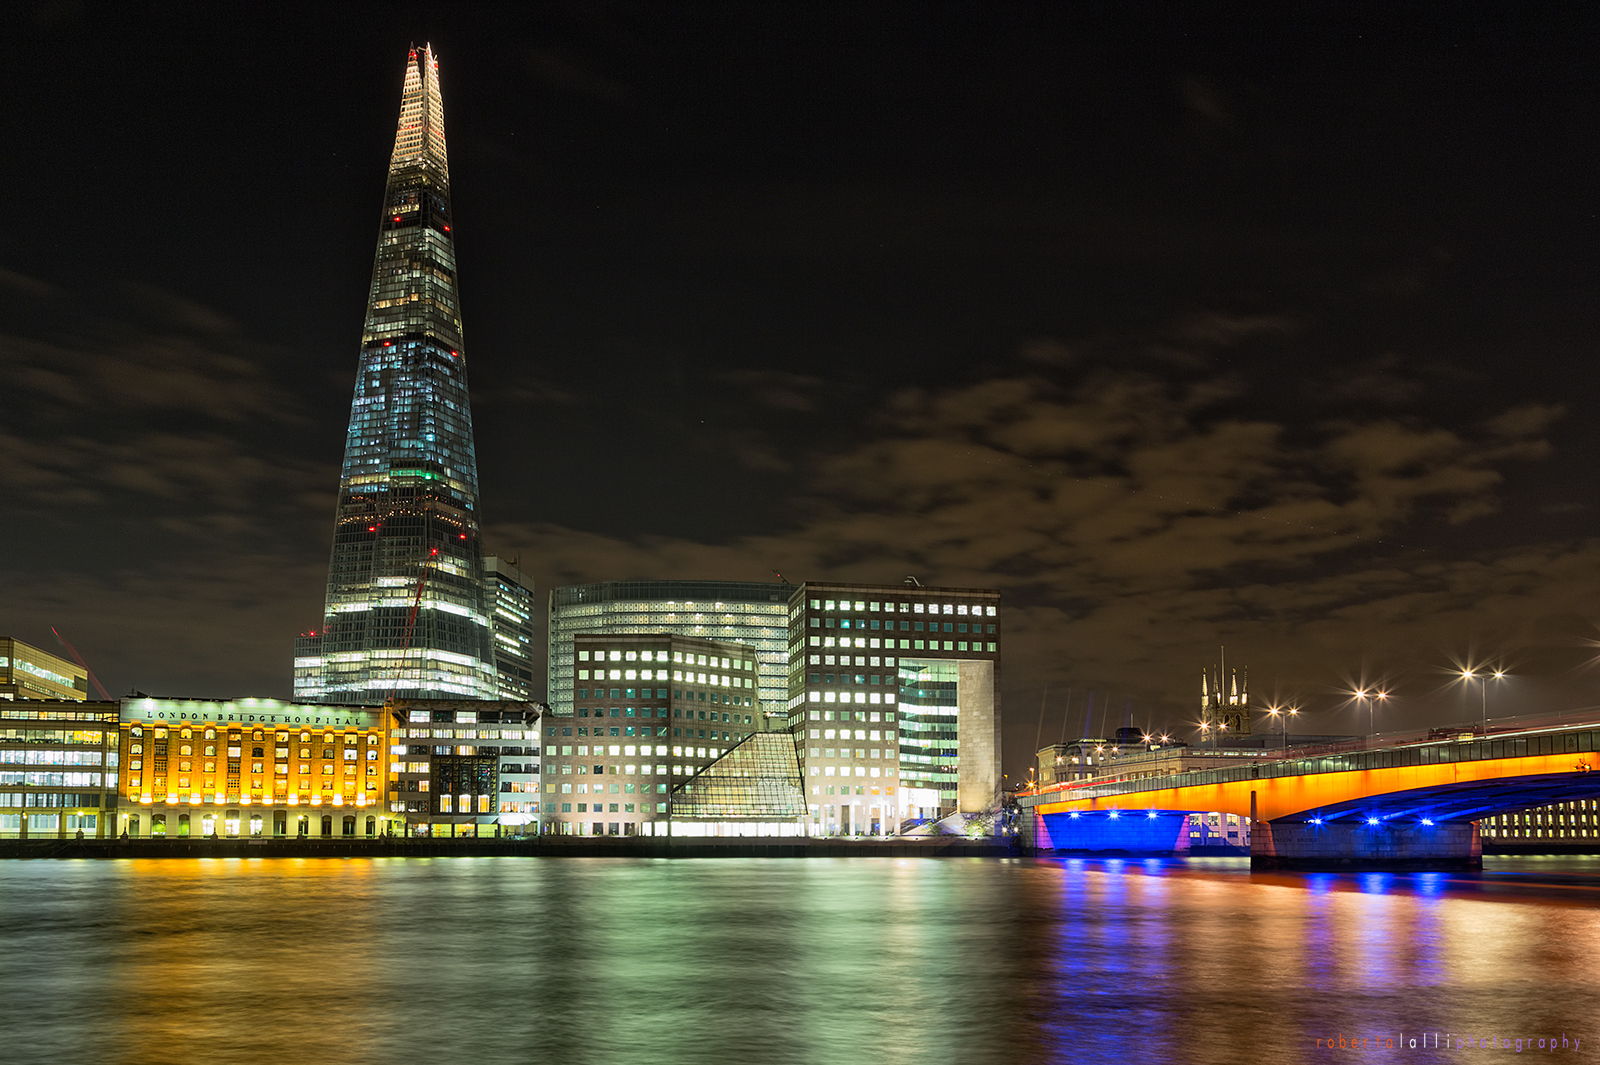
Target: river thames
x=818, y=960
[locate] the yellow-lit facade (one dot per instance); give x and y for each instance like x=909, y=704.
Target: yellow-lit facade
x=253, y=767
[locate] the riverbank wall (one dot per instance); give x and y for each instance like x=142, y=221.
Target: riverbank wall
x=534, y=847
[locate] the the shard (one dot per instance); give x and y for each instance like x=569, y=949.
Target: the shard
x=405, y=608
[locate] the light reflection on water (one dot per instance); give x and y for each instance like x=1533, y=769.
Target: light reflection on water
x=832, y=960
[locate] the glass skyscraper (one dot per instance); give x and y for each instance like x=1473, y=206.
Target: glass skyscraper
x=405, y=602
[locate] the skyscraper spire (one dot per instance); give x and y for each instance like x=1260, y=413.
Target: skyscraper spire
x=405, y=603
x=420, y=139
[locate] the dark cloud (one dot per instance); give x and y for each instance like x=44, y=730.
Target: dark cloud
x=1178, y=340
x=1135, y=524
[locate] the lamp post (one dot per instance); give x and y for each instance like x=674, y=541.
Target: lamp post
x=1371, y=699
x=1470, y=674
x=1283, y=714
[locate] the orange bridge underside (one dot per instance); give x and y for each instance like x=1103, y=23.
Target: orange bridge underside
x=1278, y=797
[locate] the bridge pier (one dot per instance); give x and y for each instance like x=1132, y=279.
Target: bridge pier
x=1123, y=833
x=1346, y=846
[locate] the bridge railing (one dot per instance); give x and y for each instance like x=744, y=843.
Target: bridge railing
x=1532, y=735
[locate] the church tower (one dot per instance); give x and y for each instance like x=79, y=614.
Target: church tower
x=1225, y=702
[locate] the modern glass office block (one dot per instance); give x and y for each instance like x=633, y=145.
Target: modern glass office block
x=746, y=612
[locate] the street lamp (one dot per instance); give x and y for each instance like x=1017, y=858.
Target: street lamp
x=1371, y=699
x=1283, y=714
x=1470, y=674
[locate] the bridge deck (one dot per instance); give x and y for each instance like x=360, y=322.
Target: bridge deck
x=1440, y=779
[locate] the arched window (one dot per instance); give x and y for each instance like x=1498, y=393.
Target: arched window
x=327, y=825
x=372, y=826
x=349, y=826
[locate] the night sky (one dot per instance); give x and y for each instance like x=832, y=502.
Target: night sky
x=1183, y=328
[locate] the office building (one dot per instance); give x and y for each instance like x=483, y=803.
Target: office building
x=405, y=609
x=653, y=709
x=1563, y=824
x=744, y=612
x=58, y=767
x=26, y=672
x=465, y=768
x=252, y=767
x=894, y=699
x=508, y=598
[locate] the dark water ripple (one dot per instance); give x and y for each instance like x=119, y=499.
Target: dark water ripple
x=844, y=960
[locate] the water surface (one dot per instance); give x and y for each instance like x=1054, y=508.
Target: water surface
x=782, y=960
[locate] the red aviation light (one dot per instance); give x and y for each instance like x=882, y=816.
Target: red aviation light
x=397, y=218
x=446, y=228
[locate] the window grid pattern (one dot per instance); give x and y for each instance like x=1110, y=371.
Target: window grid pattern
x=405, y=608
x=750, y=613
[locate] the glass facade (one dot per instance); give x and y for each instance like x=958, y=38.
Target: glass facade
x=749, y=613
x=405, y=602
x=930, y=754
x=26, y=672
x=508, y=597
x=58, y=768
x=759, y=780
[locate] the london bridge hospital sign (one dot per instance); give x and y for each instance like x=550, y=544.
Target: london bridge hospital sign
x=251, y=712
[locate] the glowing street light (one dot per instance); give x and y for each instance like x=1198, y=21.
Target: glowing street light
x=1482, y=677
x=1283, y=714
x=1372, y=699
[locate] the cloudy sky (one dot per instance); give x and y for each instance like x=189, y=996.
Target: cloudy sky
x=1184, y=330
